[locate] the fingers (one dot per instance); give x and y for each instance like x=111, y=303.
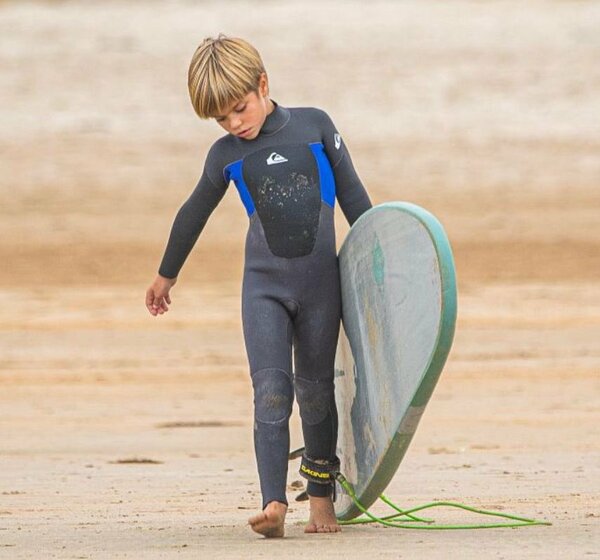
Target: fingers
x=156, y=305
x=157, y=295
x=162, y=306
x=150, y=300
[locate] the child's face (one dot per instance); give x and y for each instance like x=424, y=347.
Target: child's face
x=246, y=117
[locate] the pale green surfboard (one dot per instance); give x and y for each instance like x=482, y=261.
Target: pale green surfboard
x=399, y=313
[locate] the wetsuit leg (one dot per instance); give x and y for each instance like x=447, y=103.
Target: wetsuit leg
x=268, y=337
x=316, y=329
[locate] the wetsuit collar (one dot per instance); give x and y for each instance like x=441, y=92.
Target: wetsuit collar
x=275, y=120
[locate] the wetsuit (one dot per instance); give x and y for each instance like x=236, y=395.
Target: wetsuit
x=288, y=178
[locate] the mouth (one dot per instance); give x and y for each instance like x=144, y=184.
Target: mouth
x=244, y=133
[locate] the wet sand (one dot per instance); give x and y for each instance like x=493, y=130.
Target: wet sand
x=123, y=434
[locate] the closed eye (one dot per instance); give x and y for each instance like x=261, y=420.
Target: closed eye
x=236, y=110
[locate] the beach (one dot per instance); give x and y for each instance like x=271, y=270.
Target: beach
x=124, y=435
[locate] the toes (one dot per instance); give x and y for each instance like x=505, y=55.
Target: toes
x=327, y=528
x=310, y=528
x=268, y=526
x=261, y=517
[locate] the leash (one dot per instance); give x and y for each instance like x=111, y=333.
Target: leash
x=429, y=524
x=325, y=472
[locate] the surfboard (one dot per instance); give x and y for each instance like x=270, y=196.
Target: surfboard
x=398, y=319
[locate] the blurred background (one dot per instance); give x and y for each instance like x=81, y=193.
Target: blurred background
x=485, y=113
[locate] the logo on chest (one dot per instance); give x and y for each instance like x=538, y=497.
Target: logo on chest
x=275, y=158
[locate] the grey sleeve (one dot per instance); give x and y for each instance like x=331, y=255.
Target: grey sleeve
x=350, y=191
x=192, y=217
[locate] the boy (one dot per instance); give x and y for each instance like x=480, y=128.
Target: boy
x=288, y=166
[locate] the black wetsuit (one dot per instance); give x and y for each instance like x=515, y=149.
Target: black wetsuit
x=288, y=178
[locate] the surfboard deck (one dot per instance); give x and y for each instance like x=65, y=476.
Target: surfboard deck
x=398, y=319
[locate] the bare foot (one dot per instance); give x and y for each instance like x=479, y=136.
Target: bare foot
x=322, y=516
x=269, y=522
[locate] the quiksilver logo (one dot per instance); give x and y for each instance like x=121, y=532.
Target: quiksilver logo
x=337, y=139
x=275, y=158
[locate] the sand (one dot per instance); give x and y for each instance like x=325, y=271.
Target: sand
x=124, y=435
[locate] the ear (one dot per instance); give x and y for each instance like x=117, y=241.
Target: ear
x=263, y=84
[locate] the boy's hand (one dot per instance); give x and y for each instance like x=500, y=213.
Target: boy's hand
x=157, y=295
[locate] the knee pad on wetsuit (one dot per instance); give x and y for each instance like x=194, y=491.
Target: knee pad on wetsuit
x=273, y=395
x=314, y=398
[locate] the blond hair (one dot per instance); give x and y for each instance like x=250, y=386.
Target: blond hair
x=222, y=71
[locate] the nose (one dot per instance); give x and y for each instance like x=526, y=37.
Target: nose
x=236, y=123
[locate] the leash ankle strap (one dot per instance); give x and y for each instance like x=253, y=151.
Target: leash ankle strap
x=319, y=471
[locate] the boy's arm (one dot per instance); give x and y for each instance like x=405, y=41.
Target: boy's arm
x=191, y=219
x=350, y=191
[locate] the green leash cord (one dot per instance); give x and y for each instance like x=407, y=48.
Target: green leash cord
x=387, y=520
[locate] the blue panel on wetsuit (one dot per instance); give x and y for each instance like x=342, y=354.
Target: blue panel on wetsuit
x=284, y=185
x=325, y=173
x=233, y=172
